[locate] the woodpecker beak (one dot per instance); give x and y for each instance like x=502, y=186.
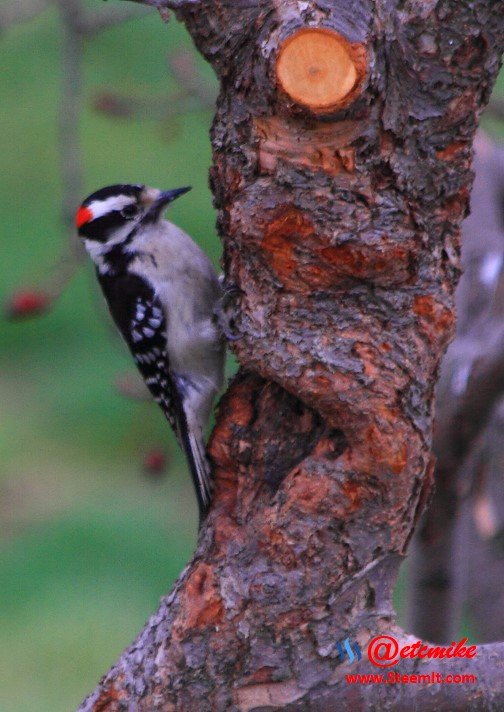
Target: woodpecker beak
x=161, y=201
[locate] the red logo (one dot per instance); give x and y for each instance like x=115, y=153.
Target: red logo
x=383, y=651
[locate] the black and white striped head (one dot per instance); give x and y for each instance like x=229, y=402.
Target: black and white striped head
x=110, y=215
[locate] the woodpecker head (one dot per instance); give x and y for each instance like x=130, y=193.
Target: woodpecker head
x=110, y=215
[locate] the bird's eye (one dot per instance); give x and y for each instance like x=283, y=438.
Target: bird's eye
x=129, y=211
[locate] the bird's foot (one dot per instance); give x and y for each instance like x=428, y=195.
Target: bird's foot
x=225, y=312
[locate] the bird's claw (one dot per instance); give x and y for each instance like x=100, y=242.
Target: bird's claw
x=225, y=312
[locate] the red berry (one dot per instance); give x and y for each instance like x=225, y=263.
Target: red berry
x=27, y=303
x=154, y=461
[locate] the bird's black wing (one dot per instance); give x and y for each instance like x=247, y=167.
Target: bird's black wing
x=141, y=320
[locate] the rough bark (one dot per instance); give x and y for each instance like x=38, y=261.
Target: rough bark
x=341, y=243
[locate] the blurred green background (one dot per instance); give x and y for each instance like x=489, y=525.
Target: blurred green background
x=88, y=544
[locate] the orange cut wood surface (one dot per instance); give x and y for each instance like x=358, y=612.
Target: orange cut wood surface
x=315, y=68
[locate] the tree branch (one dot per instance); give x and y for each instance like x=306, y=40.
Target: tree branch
x=195, y=94
x=166, y=4
x=339, y=209
x=485, y=695
x=13, y=13
x=92, y=23
x=163, y=6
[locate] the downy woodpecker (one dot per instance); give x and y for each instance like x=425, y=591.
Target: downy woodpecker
x=162, y=292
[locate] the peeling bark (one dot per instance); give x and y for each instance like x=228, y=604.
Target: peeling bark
x=342, y=249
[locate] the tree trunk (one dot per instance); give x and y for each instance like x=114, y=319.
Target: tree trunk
x=342, y=151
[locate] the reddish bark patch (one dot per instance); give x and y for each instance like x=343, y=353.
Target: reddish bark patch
x=220, y=452
x=387, y=441
x=325, y=148
x=382, y=450
x=111, y=696
x=203, y=603
x=436, y=319
x=326, y=448
x=293, y=619
x=263, y=674
x=236, y=409
x=455, y=208
x=287, y=228
x=300, y=256
x=460, y=107
x=446, y=154
x=275, y=543
x=356, y=493
x=228, y=531
x=374, y=262
x=347, y=157
x=309, y=493
x=330, y=391
x=369, y=358
x=398, y=458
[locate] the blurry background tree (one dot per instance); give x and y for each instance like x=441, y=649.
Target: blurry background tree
x=457, y=566
x=87, y=545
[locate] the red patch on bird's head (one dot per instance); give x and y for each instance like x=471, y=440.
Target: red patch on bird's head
x=82, y=216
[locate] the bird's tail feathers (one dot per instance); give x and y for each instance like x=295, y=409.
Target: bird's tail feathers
x=200, y=470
